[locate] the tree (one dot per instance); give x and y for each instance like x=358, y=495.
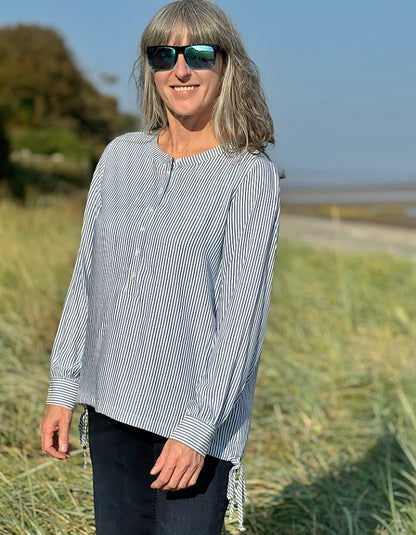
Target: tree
x=51, y=107
x=42, y=86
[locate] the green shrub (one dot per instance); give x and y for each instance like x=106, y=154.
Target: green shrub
x=53, y=140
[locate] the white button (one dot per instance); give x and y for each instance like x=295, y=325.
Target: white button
x=132, y=275
x=151, y=210
x=141, y=229
x=160, y=191
x=137, y=252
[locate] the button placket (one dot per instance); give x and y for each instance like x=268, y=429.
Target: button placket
x=163, y=180
x=136, y=261
x=160, y=189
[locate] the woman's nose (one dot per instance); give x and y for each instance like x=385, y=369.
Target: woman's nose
x=182, y=69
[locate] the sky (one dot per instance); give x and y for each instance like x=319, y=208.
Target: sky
x=340, y=77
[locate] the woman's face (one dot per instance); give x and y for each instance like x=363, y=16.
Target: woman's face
x=189, y=94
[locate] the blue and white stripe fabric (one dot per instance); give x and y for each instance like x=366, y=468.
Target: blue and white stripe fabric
x=165, y=315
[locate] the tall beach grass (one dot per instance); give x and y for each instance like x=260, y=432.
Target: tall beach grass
x=332, y=448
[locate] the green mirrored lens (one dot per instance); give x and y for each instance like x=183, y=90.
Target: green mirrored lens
x=162, y=57
x=200, y=56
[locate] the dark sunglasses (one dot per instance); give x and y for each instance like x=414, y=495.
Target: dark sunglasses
x=198, y=57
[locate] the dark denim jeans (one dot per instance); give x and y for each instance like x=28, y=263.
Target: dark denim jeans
x=122, y=457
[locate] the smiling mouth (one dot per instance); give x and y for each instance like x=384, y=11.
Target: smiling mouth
x=184, y=88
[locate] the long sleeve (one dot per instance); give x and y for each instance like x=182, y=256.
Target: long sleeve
x=69, y=343
x=242, y=293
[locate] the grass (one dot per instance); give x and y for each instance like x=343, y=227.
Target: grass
x=332, y=448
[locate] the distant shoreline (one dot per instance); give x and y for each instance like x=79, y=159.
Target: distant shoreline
x=347, y=196
x=403, y=185
x=395, y=206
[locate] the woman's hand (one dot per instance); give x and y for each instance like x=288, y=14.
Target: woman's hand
x=178, y=466
x=54, y=430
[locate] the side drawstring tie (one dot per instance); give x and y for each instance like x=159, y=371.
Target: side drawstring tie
x=83, y=434
x=236, y=492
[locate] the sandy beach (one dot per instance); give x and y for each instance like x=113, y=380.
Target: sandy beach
x=348, y=235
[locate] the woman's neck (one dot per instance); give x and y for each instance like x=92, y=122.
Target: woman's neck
x=181, y=140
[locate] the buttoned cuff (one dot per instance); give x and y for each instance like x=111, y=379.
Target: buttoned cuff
x=194, y=433
x=62, y=392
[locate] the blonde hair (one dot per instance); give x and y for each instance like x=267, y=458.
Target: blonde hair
x=241, y=119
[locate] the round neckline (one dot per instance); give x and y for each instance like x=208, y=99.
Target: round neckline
x=193, y=158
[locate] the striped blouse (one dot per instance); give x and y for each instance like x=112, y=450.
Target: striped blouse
x=166, y=311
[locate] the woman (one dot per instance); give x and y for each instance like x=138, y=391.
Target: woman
x=162, y=327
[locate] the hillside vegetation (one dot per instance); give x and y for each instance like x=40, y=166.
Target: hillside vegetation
x=47, y=106
x=332, y=449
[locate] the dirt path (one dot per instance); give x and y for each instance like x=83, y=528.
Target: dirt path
x=348, y=236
